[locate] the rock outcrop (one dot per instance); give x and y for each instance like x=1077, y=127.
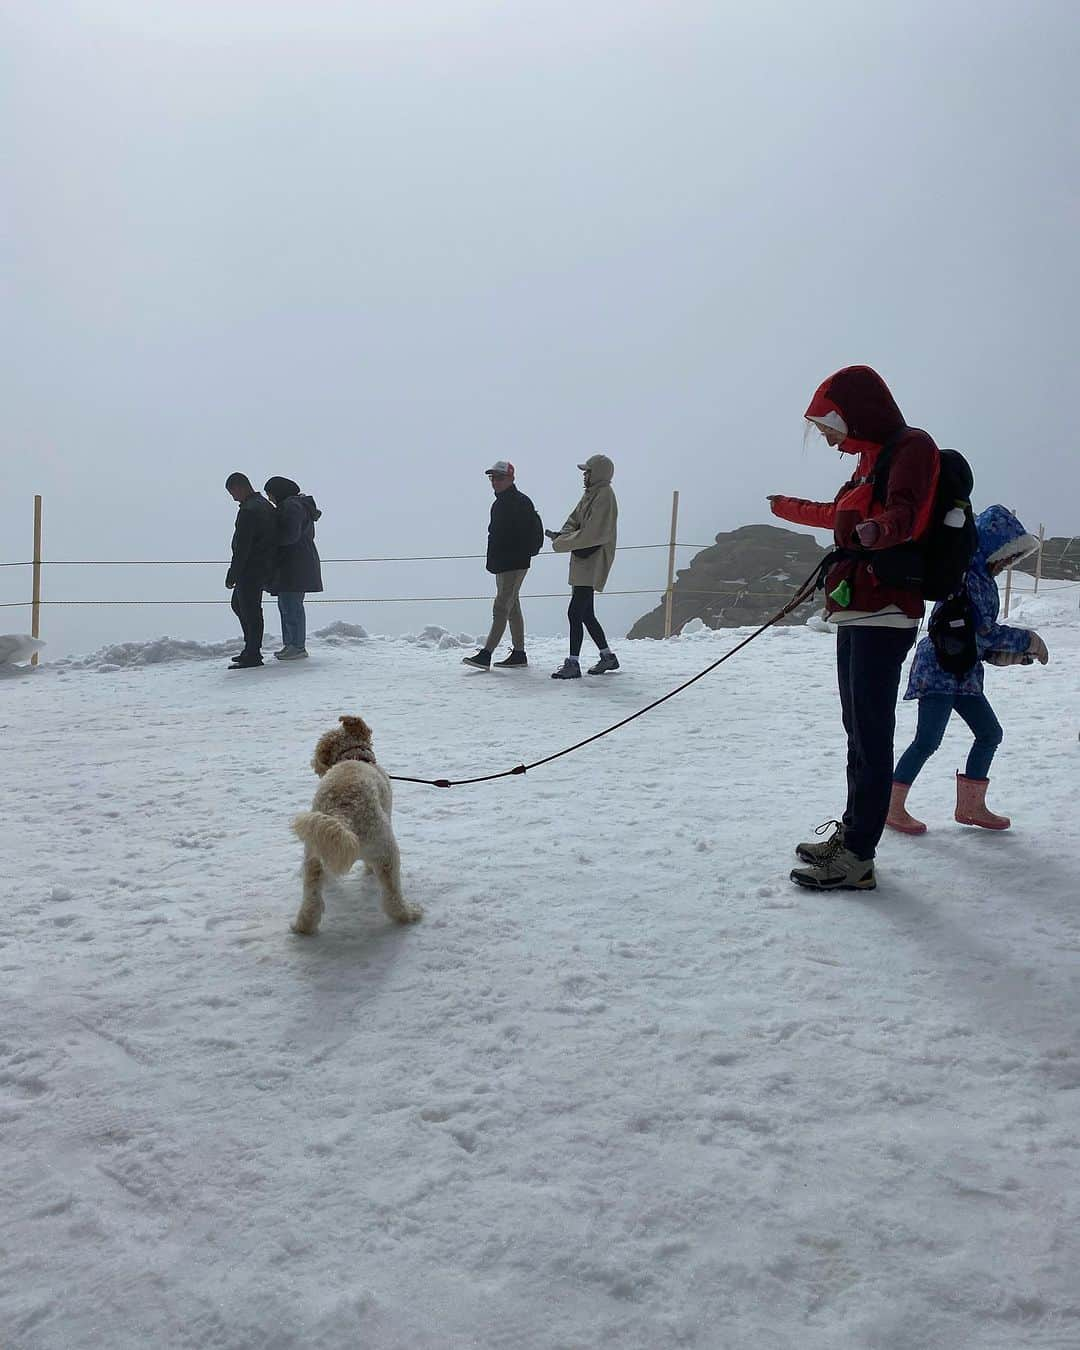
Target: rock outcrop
x=1060, y=560
x=739, y=581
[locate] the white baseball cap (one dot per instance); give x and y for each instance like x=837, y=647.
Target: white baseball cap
x=502, y=468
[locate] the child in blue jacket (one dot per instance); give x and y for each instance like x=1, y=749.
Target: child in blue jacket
x=1002, y=540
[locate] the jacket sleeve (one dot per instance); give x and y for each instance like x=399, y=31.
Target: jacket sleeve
x=819, y=515
x=243, y=539
x=290, y=522
x=912, y=484
x=1000, y=637
x=597, y=527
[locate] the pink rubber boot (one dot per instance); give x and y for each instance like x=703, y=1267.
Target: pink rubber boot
x=971, y=806
x=898, y=817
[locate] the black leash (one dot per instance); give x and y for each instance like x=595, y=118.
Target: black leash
x=804, y=592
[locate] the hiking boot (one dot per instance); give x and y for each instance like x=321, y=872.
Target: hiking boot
x=825, y=851
x=482, y=659
x=898, y=817
x=245, y=663
x=569, y=670
x=292, y=654
x=971, y=808
x=514, y=661
x=608, y=661
x=842, y=872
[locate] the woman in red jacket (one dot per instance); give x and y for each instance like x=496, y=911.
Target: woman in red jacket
x=875, y=614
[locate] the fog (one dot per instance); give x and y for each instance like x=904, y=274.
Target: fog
x=374, y=248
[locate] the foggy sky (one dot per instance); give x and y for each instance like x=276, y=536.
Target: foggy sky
x=375, y=247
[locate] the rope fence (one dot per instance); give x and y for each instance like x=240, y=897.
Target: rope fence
x=733, y=591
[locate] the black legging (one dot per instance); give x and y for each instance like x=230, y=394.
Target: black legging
x=582, y=616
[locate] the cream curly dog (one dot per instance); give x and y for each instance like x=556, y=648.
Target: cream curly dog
x=349, y=819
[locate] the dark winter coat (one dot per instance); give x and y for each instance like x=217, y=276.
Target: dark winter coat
x=513, y=532
x=863, y=400
x=297, y=566
x=253, y=543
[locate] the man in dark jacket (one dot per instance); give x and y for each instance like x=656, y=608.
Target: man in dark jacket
x=252, y=566
x=297, y=570
x=515, y=535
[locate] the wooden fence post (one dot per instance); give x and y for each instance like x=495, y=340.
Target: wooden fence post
x=671, y=563
x=35, y=605
x=1038, y=559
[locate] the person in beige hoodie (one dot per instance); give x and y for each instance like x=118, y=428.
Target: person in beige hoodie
x=589, y=536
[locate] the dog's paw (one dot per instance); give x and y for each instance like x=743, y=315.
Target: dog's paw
x=410, y=914
x=303, y=930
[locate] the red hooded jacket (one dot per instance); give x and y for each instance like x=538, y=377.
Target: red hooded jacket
x=863, y=400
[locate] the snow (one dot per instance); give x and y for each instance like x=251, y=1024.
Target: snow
x=624, y=1086
x=16, y=648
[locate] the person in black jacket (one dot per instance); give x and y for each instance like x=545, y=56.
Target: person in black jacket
x=296, y=570
x=515, y=535
x=251, y=569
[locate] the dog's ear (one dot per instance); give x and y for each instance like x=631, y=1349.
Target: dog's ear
x=320, y=761
x=356, y=726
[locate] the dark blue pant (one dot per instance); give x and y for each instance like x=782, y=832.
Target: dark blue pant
x=934, y=713
x=293, y=620
x=868, y=662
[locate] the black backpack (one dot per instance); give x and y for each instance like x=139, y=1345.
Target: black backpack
x=952, y=630
x=936, y=564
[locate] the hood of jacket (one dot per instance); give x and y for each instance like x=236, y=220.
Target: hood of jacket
x=281, y=489
x=861, y=399
x=1001, y=536
x=599, y=470
x=308, y=503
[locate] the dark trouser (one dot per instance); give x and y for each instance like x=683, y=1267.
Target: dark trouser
x=934, y=713
x=868, y=662
x=247, y=606
x=582, y=615
x=293, y=619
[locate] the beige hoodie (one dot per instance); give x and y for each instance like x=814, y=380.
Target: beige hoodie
x=591, y=525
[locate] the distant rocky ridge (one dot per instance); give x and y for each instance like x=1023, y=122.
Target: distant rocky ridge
x=1060, y=560
x=741, y=580
x=748, y=574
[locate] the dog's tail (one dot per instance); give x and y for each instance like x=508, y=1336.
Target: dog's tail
x=333, y=843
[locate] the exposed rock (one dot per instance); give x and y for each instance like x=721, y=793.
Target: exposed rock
x=741, y=580
x=1060, y=560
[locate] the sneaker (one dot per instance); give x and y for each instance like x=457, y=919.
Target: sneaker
x=514, y=661
x=569, y=670
x=608, y=661
x=292, y=654
x=827, y=849
x=280, y=656
x=482, y=659
x=842, y=872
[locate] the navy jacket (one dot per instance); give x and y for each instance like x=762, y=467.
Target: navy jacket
x=512, y=532
x=297, y=564
x=253, y=543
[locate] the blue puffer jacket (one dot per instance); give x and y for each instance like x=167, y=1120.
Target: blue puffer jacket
x=1000, y=536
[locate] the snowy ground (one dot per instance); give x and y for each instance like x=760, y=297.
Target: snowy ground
x=624, y=1086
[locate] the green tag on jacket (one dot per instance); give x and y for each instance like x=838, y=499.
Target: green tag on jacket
x=842, y=594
